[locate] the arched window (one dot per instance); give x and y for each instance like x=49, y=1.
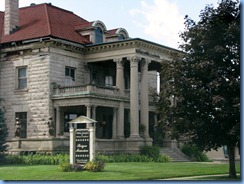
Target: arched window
x=98, y=35
x=121, y=37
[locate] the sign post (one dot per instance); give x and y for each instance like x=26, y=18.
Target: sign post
x=82, y=141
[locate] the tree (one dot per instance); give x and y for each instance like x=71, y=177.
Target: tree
x=205, y=82
x=3, y=134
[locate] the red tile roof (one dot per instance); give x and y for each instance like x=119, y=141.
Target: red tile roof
x=44, y=20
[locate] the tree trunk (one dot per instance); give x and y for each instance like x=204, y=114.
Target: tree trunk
x=232, y=167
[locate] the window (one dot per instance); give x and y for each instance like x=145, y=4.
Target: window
x=121, y=37
x=109, y=81
x=69, y=76
x=21, y=117
x=22, y=77
x=98, y=35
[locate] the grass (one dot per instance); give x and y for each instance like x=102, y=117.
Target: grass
x=115, y=171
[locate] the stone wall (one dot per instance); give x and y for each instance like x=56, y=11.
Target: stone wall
x=34, y=98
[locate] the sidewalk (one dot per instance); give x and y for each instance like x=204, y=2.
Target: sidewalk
x=193, y=177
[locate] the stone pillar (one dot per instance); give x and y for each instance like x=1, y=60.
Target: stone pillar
x=120, y=121
x=57, y=121
x=144, y=115
x=88, y=113
x=114, y=126
x=134, y=98
x=94, y=112
x=120, y=84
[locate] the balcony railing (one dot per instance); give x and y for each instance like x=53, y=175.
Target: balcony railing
x=99, y=91
x=60, y=91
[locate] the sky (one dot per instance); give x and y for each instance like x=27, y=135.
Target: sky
x=159, y=21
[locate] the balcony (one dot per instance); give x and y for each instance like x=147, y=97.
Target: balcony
x=85, y=91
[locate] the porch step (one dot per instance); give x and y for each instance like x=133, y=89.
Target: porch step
x=175, y=154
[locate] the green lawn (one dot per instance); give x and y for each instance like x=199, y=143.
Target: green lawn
x=115, y=171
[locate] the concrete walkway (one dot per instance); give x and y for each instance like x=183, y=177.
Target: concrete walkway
x=193, y=177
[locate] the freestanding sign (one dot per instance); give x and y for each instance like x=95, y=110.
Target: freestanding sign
x=82, y=148
x=82, y=141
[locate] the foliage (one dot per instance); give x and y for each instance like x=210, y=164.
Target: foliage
x=151, y=151
x=65, y=167
x=3, y=134
x=200, y=94
x=77, y=168
x=194, y=153
x=94, y=166
x=36, y=159
x=131, y=158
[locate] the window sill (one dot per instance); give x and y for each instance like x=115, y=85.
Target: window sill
x=21, y=91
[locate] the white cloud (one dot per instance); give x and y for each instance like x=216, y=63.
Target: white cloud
x=160, y=20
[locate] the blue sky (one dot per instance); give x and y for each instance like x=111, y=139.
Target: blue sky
x=158, y=21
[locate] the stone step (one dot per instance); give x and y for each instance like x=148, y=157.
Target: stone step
x=175, y=154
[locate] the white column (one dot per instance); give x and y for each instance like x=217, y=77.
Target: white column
x=144, y=115
x=134, y=98
x=72, y=145
x=92, y=143
x=120, y=84
x=57, y=121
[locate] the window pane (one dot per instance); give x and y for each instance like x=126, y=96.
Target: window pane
x=22, y=72
x=22, y=83
x=72, y=74
x=66, y=71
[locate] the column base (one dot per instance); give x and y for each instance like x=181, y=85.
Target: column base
x=135, y=137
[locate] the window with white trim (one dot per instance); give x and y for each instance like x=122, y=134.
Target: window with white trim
x=69, y=76
x=22, y=77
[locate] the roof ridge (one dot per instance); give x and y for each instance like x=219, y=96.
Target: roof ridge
x=48, y=20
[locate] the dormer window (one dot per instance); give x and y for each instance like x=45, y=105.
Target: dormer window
x=121, y=37
x=98, y=35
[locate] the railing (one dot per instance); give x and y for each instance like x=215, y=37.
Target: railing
x=86, y=89
x=61, y=91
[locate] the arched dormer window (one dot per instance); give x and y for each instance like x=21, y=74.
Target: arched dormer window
x=100, y=28
x=98, y=35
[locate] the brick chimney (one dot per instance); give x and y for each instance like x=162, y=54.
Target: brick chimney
x=11, y=18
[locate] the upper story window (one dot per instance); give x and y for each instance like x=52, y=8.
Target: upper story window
x=22, y=77
x=69, y=76
x=98, y=35
x=121, y=37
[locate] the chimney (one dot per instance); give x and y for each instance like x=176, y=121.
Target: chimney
x=11, y=18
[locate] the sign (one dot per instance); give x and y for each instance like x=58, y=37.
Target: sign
x=82, y=148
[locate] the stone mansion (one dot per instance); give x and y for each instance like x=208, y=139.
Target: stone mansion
x=56, y=66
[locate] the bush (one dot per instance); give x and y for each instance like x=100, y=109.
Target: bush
x=65, y=167
x=130, y=158
x=194, y=153
x=151, y=151
x=94, y=166
x=37, y=159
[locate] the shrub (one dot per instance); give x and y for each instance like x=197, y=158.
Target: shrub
x=94, y=166
x=37, y=159
x=194, y=153
x=65, y=167
x=151, y=151
x=130, y=158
